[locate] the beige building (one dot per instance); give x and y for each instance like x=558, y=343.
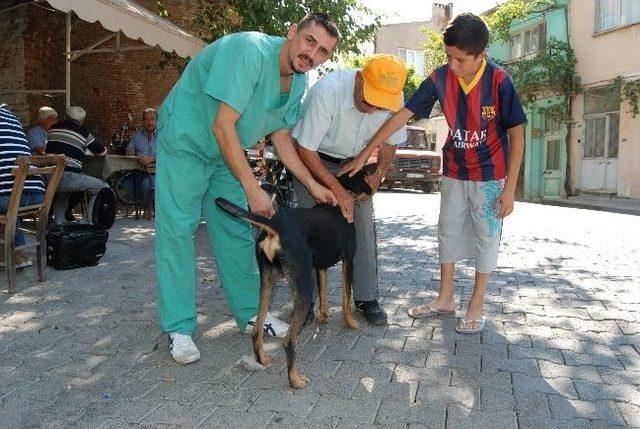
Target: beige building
x=404, y=39
x=605, y=147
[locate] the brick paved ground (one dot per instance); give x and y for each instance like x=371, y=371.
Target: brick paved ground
x=561, y=349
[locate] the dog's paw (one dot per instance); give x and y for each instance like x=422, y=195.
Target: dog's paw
x=266, y=360
x=298, y=381
x=351, y=324
x=322, y=317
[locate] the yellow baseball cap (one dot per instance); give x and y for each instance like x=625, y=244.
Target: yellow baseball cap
x=384, y=77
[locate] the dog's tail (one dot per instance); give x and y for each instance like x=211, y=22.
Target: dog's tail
x=256, y=220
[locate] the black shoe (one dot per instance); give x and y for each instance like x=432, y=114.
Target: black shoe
x=311, y=316
x=372, y=311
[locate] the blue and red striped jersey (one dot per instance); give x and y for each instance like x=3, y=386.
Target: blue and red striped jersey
x=477, y=146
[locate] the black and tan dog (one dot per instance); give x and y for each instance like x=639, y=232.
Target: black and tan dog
x=294, y=242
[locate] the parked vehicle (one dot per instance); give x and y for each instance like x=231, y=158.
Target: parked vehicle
x=415, y=166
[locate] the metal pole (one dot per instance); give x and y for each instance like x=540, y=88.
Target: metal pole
x=67, y=61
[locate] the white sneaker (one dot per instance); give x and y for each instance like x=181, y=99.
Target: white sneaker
x=273, y=327
x=183, y=349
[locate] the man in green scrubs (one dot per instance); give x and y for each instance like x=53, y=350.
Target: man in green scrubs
x=234, y=92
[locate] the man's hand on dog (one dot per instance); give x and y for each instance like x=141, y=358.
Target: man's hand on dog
x=372, y=180
x=322, y=194
x=260, y=202
x=346, y=204
x=353, y=166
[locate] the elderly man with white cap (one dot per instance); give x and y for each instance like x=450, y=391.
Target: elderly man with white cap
x=342, y=111
x=72, y=139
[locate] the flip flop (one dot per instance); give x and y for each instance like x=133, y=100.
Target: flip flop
x=425, y=311
x=471, y=326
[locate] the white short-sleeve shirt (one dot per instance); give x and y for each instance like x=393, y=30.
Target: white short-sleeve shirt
x=331, y=123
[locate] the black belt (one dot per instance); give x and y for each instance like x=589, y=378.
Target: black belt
x=331, y=159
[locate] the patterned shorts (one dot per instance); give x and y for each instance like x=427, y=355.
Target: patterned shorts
x=468, y=227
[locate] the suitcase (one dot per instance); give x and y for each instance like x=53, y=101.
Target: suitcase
x=75, y=245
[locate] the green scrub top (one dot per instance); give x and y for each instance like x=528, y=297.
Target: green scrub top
x=241, y=70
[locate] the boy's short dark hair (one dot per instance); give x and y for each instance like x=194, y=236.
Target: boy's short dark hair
x=467, y=32
x=321, y=19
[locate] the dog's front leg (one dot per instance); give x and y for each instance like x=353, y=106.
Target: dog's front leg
x=267, y=280
x=323, y=295
x=347, y=278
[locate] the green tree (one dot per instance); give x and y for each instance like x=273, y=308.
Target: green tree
x=216, y=18
x=433, y=48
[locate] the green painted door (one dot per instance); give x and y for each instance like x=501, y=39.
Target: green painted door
x=552, y=173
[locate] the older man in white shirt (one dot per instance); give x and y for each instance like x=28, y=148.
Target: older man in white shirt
x=342, y=111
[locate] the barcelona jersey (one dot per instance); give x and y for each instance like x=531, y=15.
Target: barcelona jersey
x=478, y=115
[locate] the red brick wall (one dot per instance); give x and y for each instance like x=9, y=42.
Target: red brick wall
x=106, y=85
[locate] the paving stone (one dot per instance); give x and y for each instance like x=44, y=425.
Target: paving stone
x=427, y=375
x=526, y=422
x=560, y=386
x=221, y=417
x=620, y=392
x=464, y=347
x=468, y=397
x=585, y=372
x=461, y=418
x=285, y=420
x=500, y=381
x=575, y=359
x=538, y=353
x=429, y=415
x=359, y=409
x=630, y=413
x=533, y=404
x=497, y=400
x=379, y=372
x=177, y=415
x=598, y=410
x=492, y=364
x=298, y=402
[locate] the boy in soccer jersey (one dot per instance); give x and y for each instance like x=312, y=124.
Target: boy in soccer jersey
x=481, y=160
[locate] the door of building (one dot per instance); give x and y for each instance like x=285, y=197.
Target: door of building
x=600, y=153
x=599, y=169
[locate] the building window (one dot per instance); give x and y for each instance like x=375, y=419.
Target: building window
x=616, y=13
x=553, y=155
x=551, y=125
x=413, y=58
x=602, y=123
x=528, y=41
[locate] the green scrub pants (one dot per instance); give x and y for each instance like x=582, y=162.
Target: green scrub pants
x=186, y=187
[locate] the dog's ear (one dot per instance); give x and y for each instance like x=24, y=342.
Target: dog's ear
x=356, y=184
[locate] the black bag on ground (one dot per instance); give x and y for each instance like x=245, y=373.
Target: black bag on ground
x=104, y=209
x=75, y=245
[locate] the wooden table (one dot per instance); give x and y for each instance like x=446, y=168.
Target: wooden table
x=104, y=167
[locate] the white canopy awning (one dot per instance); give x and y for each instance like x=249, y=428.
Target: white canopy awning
x=135, y=22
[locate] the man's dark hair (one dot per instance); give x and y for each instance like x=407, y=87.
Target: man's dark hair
x=467, y=32
x=320, y=19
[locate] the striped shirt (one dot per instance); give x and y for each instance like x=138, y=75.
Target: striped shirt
x=70, y=139
x=479, y=117
x=13, y=143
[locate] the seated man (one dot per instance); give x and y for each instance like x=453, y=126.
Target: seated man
x=72, y=139
x=37, y=135
x=143, y=145
x=13, y=143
